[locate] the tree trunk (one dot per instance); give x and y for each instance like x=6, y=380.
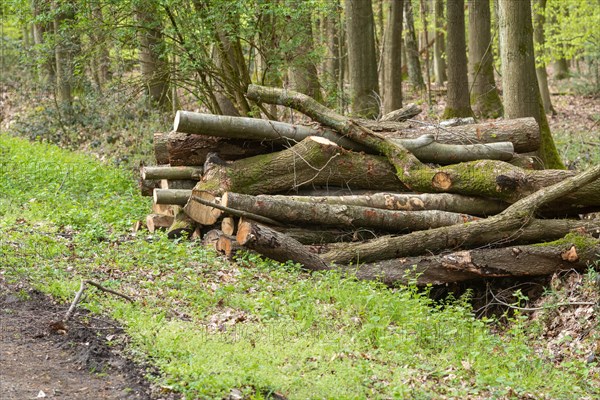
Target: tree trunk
x=192, y=150
x=362, y=63
x=277, y=246
x=523, y=133
x=102, y=59
x=313, y=162
x=457, y=104
x=455, y=203
x=519, y=82
x=45, y=56
x=153, y=64
x=63, y=55
x=304, y=70
x=392, y=59
x=338, y=215
x=412, y=51
x=561, y=69
x=332, y=62
x=539, y=20
x=501, y=227
x=484, y=95
x=439, y=63
x=507, y=262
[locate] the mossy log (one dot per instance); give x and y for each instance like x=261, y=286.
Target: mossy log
x=340, y=215
x=182, y=225
x=315, y=161
x=502, y=227
x=524, y=133
x=277, y=246
x=484, y=178
x=516, y=261
x=455, y=203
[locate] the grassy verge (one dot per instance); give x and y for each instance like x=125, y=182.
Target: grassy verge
x=257, y=326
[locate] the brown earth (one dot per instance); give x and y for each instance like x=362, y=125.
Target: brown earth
x=37, y=361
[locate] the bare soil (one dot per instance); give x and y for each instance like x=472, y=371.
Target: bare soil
x=37, y=360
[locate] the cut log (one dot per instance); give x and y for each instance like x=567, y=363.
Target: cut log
x=336, y=215
x=523, y=132
x=408, y=202
x=189, y=150
x=164, y=209
x=173, y=173
x=408, y=111
x=315, y=161
x=158, y=221
x=201, y=213
x=253, y=129
x=517, y=261
x=172, y=196
x=228, y=246
x=147, y=186
x=161, y=151
x=211, y=238
x=485, y=178
x=177, y=184
x=322, y=235
x=182, y=225
x=510, y=223
x=277, y=246
x=228, y=225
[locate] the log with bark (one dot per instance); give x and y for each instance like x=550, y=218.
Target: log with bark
x=485, y=178
x=182, y=225
x=341, y=215
x=407, y=112
x=172, y=196
x=171, y=173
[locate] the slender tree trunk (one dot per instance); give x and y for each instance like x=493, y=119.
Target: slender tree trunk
x=561, y=69
x=102, y=58
x=332, y=61
x=362, y=61
x=519, y=81
x=484, y=95
x=458, y=104
x=542, y=75
x=392, y=59
x=153, y=64
x=439, y=64
x=304, y=70
x=63, y=54
x=412, y=52
x=46, y=61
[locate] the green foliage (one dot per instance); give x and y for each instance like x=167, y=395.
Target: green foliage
x=255, y=325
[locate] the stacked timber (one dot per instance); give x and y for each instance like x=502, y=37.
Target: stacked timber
x=394, y=200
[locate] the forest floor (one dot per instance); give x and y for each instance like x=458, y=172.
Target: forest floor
x=92, y=360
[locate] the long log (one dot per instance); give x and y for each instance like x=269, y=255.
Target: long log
x=277, y=246
x=517, y=261
x=191, y=150
x=179, y=184
x=522, y=132
x=481, y=232
x=408, y=202
x=315, y=161
x=168, y=172
x=338, y=215
x=485, y=178
x=402, y=114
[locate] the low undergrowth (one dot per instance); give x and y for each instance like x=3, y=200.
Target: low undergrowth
x=254, y=327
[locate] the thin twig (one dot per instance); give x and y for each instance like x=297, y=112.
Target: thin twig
x=82, y=289
x=237, y=213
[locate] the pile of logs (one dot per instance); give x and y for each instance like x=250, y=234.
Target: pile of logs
x=395, y=200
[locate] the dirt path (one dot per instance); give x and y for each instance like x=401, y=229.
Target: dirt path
x=38, y=363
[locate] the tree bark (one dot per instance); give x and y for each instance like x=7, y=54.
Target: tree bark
x=277, y=246
x=457, y=104
x=313, y=162
x=409, y=111
x=454, y=203
x=499, y=228
x=362, y=63
x=182, y=225
x=172, y=196
x=484, y=95
x=63, y=55
x=167, y=172
x=539, y=19
x=518, y=261
x=392, y=59
x=439, y=63
x=519, y=82
x=523, y=132
x=412, y=52
x=337, y=215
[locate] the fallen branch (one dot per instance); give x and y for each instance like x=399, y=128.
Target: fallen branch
x=82, y=288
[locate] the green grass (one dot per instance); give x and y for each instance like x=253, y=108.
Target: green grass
x=255, y=325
